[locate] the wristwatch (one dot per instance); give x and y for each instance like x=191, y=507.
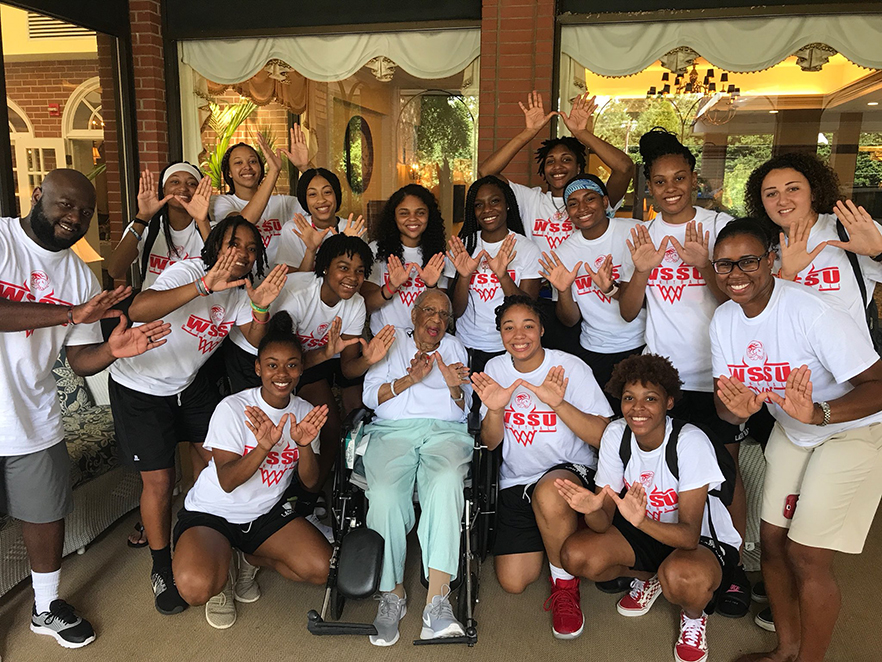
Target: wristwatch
x=825, y=409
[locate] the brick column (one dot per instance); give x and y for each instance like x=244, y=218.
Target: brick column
x=517, y=57
x=149, y=75
x=111, y=141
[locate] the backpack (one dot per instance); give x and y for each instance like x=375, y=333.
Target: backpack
x=870, y=310
x=149, y=241
x=724, y=492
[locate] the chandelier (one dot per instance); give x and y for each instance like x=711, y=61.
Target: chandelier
x=688, y=83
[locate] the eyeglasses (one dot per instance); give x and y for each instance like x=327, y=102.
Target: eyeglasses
x=746, y=264
x=431, y=312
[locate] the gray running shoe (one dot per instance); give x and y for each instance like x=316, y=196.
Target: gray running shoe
x=220, y=610
x=62, y=622
x=325, y=530
x=246, y=588
x=438, y=619
x=391, y=610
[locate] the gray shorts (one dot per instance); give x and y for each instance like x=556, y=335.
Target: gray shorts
x=35, y=487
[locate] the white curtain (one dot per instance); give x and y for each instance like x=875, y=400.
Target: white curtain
x=430, y=55
x=742, y=44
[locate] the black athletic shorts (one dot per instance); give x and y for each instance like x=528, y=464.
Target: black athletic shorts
x=239, y=367
x=244, y=537
x=149, y=427
x=697, y=407
x=516, y=528
x=331, y=372
x=602, y=366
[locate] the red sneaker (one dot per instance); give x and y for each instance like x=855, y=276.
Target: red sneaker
x=566, y=611
x=692, y=644
x=641, y=597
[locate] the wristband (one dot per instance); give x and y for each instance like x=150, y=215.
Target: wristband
x=200, y=288
x=133, y=232
x=390, y=290
x=309, y=443
x=612, y=290
x=877, y=258
x=254, y=317
x=430, y=287
x=258, y=309
x=392, y=388
x=140, y=222
x=70, y=318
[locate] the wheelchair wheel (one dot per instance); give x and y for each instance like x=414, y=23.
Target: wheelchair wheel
x=337, y=604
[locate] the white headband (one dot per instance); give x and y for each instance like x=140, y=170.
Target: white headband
x=181, y=167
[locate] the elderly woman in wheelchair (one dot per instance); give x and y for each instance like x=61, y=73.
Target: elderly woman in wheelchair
x=419, y=393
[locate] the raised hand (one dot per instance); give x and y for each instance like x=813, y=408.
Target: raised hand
x=298, y=151
x=494, y=397
x=499, y=263
x=431, y=273
x=581, y=114
x=218, y=277
x=197, y=206
x=148, y=201
x=100, y=306
x=556, y=273
x=311, y=236
x=265, y=293
x=552, y=390
x=266, y=433
x=304, y=432
x=379, y=345
x=455, y=374
x=459, y=257
x=273, y=159
x=336, y=343
x=864, y=236
x=694, y=249
x=420, y=366
x=535, y=116
x=797, y=401
x=644, y=254
x=793, y=248
x=603, y=277
x=397, y=272
x=125, y=342
x=578, y=498
x=739, y=399
x=633, y=505
x=354, y=228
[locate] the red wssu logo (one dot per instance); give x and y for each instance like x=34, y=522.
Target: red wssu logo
x=410, y=290
x=269, y=228
x=823, y=280
x=658, y=501
x=209, y=332
x=585, y=284
x=554, y=232
x=672, y=277
x=317, y=339
x=276, y=464
x=35, y=290
x=486, y=283
x=158, y=263
x=523, y=419
x=757, y=373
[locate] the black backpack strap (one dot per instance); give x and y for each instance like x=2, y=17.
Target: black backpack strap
x=853, y=260
x=625, y=448
x=671, y=458
x=149, y=241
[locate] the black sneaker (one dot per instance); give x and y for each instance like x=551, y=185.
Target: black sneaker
x=613, y=586
x=62, y=622
x=764, y=620
x=166, y=597
x=758, y=593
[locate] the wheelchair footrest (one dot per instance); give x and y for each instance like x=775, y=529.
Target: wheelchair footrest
x=320, y=627
x=360, y=564
x=470, y=638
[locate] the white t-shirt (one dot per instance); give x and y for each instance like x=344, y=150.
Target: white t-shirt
x=679, y=303
x=301, y=298
x=197, y=330
x=830, y=273
x=476, y=327
x=534, y=439
x=397, y=311
x=279, y=210
x=228, y=432
x=603, y=329
x=798, y=327
x=188, y=244
x=291, y=246
x=697, y=464
x=545, y=217
x=30, y=414
x=429, y=398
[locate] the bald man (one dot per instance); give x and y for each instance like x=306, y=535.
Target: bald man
x=49, y=299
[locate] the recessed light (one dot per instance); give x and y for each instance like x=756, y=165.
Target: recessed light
x=872, y=103
x=773, y=112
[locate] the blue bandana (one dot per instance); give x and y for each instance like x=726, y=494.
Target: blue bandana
x=583, y=185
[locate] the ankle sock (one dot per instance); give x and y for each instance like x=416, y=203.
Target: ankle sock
x=45, y=589
x=559, y=573
x=161, y=558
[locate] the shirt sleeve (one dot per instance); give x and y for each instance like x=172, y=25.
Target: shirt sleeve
x=86, y=334
x=378, y=270
x=358, y=314
x=375, y=377
x=291, y=249
x=697, y=461
x=586, y=394
x=223, y=206
x=610, y=470
x=871, y=270
x=529, y=254
x=225, y=431
x=719, y=364
x=174, y=275
x=840, y=344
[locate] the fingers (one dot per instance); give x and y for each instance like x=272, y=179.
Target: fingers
x=154, y=330
x=817, y=249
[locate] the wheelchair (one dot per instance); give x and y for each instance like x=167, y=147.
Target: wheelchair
x=357, y=553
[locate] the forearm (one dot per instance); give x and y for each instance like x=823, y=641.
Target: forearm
x=492, y=428
x=203, y=226
x=457, y=394
x=307, y=467
x=633, y=294
x=460, y=298
x=86, y=360
x=307, y=263
x=619, y=163
x=151, y=305
x=256, y=206
x=20, y=316
x=353, y=367
x=707, y=272
x=496, y=162
x=566, y=309
x=599, y=521
x=124, y=254
x=255, y=331
x=509, y=288
x=679, y=535
x=373, y=298
x=400, y=385
x=588, y=427
x=863, y=400
x=236, y=472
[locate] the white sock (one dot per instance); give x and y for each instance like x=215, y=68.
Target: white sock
x=559, y=573
x=45, y=588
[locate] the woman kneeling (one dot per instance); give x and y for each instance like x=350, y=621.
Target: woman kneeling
x=258, y=438
x=644, y=521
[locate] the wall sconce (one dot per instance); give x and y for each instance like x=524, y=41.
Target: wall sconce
x=414, y=172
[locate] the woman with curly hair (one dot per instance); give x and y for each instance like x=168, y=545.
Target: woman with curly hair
x=493, y=259
x=797, y=197
x=409, y=258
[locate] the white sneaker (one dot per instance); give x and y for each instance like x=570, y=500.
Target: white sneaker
x=246, y=588
x=438, y=619
x=389, y=613
x=325, y=530
x=220, y=611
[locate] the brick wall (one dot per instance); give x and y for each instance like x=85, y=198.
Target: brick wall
x=517, y=41
x=111, y=144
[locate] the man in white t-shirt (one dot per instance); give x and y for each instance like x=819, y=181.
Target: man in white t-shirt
x=49, y=300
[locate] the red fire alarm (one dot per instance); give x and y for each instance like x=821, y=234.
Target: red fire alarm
x=54, y=110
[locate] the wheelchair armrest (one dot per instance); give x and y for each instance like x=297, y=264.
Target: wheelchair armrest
x=356, y=416
x=474, y=422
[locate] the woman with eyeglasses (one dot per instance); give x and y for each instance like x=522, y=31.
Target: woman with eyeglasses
x=780, y=344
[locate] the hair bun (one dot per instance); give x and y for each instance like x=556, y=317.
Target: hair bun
x=658, y=141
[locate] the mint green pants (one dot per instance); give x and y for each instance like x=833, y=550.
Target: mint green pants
x=435, y=454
